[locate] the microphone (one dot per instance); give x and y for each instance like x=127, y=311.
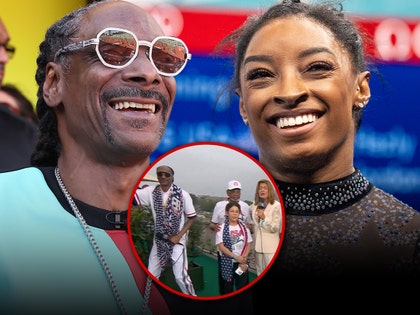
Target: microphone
x=261, y=204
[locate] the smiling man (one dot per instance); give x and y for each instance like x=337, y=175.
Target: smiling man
x=106, y=90
x=174, y=214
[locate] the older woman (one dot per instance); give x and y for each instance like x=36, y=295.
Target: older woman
x=267, y=216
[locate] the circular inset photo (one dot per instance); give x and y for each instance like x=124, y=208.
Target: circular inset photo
x=206, y=220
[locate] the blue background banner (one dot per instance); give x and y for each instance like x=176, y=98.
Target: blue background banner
x=387, y=144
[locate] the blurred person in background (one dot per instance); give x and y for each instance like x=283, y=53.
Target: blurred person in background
x=19, y=129
x=17, y=102
x=6, y=50
x=18, y=120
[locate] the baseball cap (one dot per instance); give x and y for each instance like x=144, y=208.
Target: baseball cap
x=234, y=184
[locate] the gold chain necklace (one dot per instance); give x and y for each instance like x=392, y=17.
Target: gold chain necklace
x=98, y=251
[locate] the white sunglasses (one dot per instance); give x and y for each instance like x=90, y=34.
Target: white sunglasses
x=117, y=48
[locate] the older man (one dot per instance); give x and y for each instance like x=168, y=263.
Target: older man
x=174, y=214
x=106, y=90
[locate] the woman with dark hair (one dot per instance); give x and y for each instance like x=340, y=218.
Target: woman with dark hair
x=302, y=80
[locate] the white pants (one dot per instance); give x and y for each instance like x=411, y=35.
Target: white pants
x=262, y=260
x=179, y=267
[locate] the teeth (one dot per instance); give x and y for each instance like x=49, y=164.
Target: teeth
x=296, y=121
x=151, y=108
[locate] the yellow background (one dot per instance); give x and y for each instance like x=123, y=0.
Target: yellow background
x=26, y=22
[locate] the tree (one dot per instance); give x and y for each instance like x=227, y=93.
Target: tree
x=142, y=231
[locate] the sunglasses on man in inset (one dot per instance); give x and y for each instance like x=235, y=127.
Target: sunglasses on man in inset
x=117, y=48
x=163, y=174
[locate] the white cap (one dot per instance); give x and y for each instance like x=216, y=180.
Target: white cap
x=234, y=184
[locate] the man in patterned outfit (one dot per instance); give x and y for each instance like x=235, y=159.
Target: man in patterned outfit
x=174, y=214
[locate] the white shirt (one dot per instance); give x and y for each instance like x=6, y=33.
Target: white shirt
x=237, y=238
x=219, y=212
x=145, y=197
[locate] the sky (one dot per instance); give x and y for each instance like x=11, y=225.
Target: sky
x=206, y=169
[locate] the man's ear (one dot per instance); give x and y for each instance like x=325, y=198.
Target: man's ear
x=53, y=81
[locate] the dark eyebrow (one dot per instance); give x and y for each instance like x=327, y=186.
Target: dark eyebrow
x=303, y=54
x=314, y=50
x=258, y=58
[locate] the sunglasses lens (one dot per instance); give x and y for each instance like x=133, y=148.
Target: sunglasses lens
x=163, y=174
x=117, y=47
x=169, y=55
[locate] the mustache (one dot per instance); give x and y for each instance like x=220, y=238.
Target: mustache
x=134, y=92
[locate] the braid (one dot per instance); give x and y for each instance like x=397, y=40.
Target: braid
x=58, y=35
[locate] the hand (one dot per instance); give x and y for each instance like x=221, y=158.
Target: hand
x=250, y=227
x=214, y=226
x=174, y=239
x=241, y=260
x=244, y=267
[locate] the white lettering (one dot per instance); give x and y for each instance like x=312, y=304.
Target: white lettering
x=392, y=39
x=415, y=41
x=394, y=178
x=394, y=144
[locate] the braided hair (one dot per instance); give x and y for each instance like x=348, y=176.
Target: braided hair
x=58, y=35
